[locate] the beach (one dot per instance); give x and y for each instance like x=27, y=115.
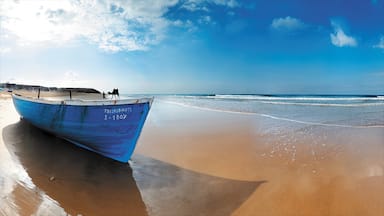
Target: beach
x=204, y=156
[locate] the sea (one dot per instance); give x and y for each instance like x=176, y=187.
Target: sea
x=350, y=111
x=284, y=121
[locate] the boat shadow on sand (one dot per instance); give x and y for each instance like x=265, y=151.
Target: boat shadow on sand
x=82, y=182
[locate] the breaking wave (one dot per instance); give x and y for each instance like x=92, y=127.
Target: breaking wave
x=332, y=111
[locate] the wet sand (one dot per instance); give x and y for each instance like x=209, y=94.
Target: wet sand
x=195, y=162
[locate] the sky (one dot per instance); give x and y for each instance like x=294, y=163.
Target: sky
x=195, y=46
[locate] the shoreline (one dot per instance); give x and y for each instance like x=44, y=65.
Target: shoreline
x=275, y=117
x=5, y=95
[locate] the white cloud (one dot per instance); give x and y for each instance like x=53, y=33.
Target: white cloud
x=340, y=39
x=201, y=5
x=228, y=3
x=194, y=5
x=380, y=45
x=287, y=24
x=204, y=20
x=178, y=23
x=111, y=25
x=187, y=24
x=126, y=25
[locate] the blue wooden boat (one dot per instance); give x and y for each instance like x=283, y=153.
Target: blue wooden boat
x=108, y=127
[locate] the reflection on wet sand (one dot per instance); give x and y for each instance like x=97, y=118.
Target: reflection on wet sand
x=69, y=180
x=80, y=181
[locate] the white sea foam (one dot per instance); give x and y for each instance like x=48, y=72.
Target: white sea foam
x=297, y=98
x=275, y=117
x=331, y=101
x=323, y=104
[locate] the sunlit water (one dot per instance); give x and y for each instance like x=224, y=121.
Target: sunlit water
x=337, y=111
x=325, y=123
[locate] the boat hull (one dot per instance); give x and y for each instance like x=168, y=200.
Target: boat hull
x=110, y=128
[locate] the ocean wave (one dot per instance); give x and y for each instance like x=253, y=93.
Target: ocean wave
x=296, y=101
x=323, y=104
x=275, y=117
x=299, y=98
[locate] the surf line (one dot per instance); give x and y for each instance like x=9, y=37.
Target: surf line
x=322, y=104
x=273, y=117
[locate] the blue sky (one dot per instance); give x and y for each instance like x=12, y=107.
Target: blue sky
x=196, y=46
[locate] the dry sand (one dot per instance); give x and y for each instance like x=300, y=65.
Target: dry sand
x=195, y=162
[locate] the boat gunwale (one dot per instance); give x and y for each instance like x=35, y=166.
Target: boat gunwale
x=80, y=102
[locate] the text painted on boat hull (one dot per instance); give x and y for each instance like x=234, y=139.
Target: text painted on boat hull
x=116, y=113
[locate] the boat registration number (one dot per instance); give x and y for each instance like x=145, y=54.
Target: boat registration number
x=116, y=113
